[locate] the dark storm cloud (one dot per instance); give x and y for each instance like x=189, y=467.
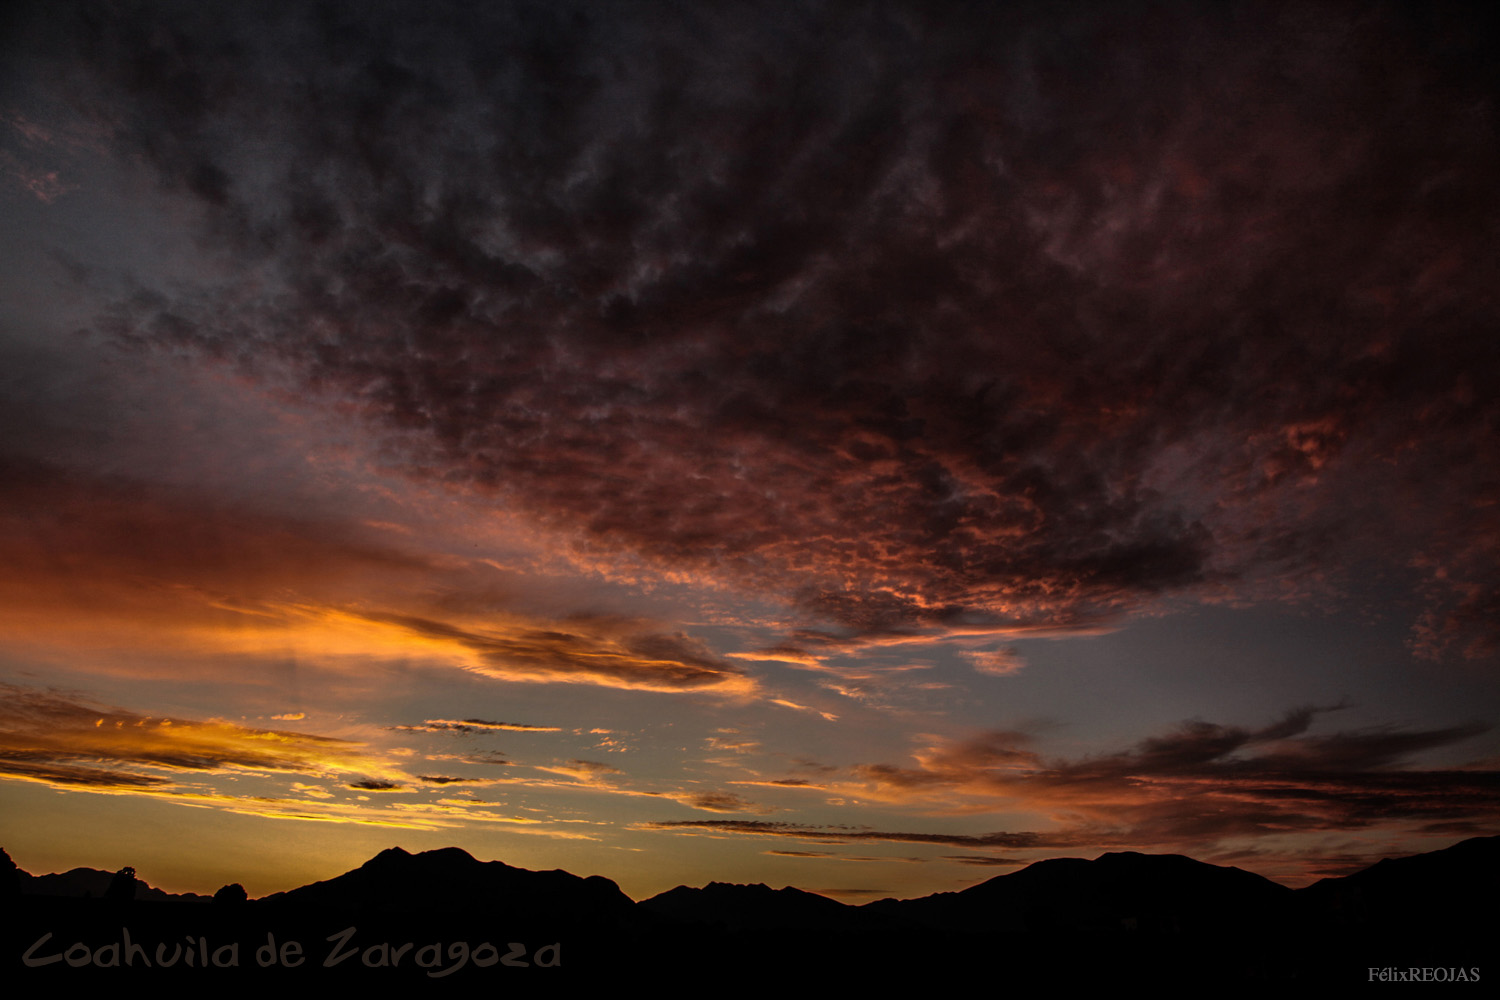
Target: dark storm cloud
x=921, y=316
x=1195, y=788
x=1203, y=782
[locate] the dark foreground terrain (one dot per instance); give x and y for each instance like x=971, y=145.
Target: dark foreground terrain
x=441, y=916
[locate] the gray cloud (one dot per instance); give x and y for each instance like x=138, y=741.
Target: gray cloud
x=917, y=317
x=1197, y=787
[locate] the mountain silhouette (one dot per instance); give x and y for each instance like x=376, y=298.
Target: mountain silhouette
x=749, y=906
x=1162, y=893
x=94, y=883
x=450, y=881
x=1119, y=918
x=1434, y=890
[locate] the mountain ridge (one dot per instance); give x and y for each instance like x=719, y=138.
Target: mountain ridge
x=1123, y=915
x=81, y=880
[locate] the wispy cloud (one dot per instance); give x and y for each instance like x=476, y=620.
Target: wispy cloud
x=60, y=739
x=474, y=726
x=1197, y=788
x=590, y=651
x=849, y=835
x=177, y=569
x=995, y=662
x=52, y=737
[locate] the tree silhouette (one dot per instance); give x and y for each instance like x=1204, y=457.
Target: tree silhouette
x=231, y=893
x=10, y=876
x=122, y=886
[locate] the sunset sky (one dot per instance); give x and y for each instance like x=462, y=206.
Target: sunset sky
x=866, y=447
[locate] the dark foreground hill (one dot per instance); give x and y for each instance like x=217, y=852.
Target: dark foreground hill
x=1145, y=893
x=449, y=884
x=84, y=883
x=749, y=907
x=443, y=915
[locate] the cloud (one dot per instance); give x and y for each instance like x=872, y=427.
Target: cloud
x=491, y=757
x=65, y=775
x=840, y=857
x=913, y=318
x=1202, y=788
x=720, y=802
x=62, y=740
x=474, y=726
x=1204, y=782
x=314, y=791
x=58, y=739
x=995, y=662
x=594, y=651
x=782, y=783
x=441, y=814
x=587, y=771
x=192, y=571
x=800, y=854
x=157, y=556
x=596, y=777
x=848, y=835
x=732, y=740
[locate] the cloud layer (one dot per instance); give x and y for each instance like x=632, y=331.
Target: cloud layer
x=53, y=738
x=185, y=567
x=1202, y=787
x=912, y=316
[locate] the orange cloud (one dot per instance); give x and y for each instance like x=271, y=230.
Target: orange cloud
x=105, y=560
x=1203, y=788
x=63, y=741
x=49, y=737
x=596, y=651
x=475, y=726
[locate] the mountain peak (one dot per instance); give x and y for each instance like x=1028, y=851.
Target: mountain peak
x=451, y=880
x=742, y=905
x=1138, y=858
x=749, y=886
x=441, y=857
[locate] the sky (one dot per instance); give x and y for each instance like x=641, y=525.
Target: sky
x=864, y=447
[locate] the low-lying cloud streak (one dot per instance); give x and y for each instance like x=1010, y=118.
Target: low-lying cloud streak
x=61, y=740
x=191, y=570
x=1194, y=789
x=53, y=738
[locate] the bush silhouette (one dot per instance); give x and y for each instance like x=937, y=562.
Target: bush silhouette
x=231, y=893
x=122, y=886
x=10, y=876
